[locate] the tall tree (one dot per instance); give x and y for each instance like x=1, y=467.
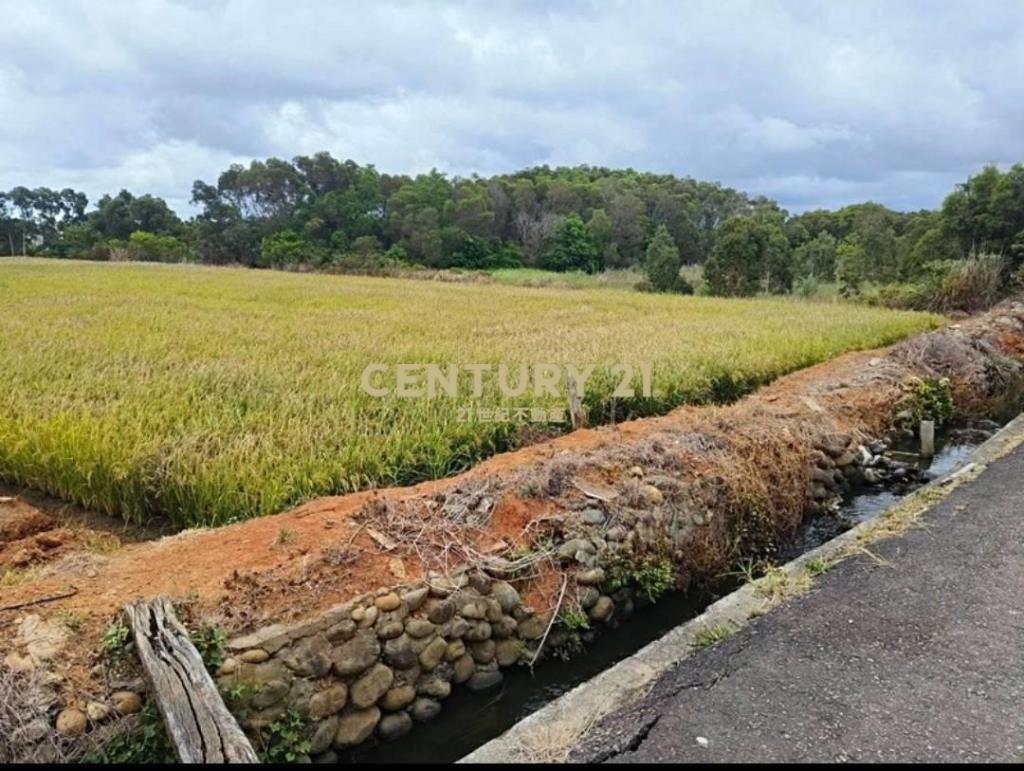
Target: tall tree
x=571, y=247
x=662, y=263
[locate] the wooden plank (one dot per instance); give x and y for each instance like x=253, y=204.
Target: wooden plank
x=200, y=727
x=575, y=408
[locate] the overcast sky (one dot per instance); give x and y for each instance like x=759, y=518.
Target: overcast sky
x=811, y=104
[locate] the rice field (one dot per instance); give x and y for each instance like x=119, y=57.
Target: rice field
x=206, y=395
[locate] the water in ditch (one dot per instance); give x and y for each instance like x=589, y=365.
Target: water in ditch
x=469, y=719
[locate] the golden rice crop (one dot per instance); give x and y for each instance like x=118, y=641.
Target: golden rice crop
x=208, y=394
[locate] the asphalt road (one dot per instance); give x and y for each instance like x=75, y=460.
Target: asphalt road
x=912, y=653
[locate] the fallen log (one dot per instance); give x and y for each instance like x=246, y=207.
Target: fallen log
x=199, y=726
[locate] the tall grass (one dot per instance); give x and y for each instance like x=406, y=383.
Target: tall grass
x=533, y=277
x=207, y=394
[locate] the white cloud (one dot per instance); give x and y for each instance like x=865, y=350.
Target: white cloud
x=810, y=102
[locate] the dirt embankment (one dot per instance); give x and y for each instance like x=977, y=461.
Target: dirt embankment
x=700, y=487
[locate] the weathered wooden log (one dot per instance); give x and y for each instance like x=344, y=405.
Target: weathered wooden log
x=199, y=726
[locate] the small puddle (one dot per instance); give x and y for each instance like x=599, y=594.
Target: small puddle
x=470, y=720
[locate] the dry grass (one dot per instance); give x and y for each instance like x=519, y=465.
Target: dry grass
x=26, y=733
x=552, y=741
x=779, y=584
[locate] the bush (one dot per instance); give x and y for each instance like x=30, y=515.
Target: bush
x=947, y=285
x=478, y=254
x=288, y=249
x=284, y=740
x=149, y=247
x=807, y=286
x=142, y=739
x=931, y=399
x=977, y=284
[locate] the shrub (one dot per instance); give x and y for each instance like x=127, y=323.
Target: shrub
x=807, y=286
x=931, y=399
x=947, y=285
x=976, y=284
x=149, y=247
x=288, y=248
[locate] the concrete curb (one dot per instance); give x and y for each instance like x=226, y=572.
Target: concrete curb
x=627, y=682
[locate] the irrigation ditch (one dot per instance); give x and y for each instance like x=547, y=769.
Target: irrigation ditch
x=471, y=719
x=496, y=591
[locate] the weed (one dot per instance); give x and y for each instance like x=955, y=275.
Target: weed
x=573, y=619
x=101, y=543
x=749, y=570
x=779, y=584
x=71, y=620
x=711, y=635
x=113, y=642
x=210, y=642
x=15, y=577
x=144, y=741
x=818, y=566
x=284, y=740
x=651, y=575
x=284, y=536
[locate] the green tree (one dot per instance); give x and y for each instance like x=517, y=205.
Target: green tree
x=630, y=227
x=877, y=239
x=571, y=247
x=662, y=263
x=750, y=254
x=600, y=226
x=851, y=269
x=816, y=257
x=934, y=245
x=733, y=268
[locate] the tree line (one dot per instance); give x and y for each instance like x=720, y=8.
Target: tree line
x=322, y=213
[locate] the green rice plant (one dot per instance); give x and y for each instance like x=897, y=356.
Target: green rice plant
x=205, y=395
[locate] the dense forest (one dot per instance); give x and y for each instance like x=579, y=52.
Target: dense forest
x=317, y=212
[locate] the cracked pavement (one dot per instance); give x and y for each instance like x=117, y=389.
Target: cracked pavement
x=912, y=652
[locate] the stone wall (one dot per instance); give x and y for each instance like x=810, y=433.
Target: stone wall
x=380, y=663
x=383, y=662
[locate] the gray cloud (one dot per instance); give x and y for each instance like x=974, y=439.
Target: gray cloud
x=812, y=103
